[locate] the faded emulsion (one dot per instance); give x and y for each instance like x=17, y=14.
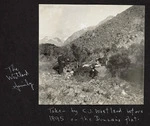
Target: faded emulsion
x=94, y=56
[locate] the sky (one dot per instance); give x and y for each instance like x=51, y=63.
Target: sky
x=57, y=20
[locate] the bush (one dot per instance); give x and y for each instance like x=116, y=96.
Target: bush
x=82, y=74
x=137, y=54
x=118, y=63
x=48, y=52
x=76, y=51
x=134, y=74
x=80, y=53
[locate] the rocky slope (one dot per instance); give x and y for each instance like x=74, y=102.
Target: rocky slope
x=82, y=31
x=123, y=30
x=57, y=89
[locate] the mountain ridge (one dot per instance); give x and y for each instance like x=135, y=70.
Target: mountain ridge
x=79, y=33
x=56, y=41
x=117, y=30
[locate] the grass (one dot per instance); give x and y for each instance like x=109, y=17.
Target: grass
x=103, y=90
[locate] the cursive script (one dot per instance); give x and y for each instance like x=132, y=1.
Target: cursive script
x=11, y=68
x=17, y=87
x=20, y=76
x=17, y=75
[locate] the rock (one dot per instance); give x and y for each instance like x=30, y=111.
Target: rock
x=88, y=89
x=82, y=95
x=65, y=92
x=100, y=102
x=87, y=99
x=58, y=102
x=116, y=87
x=71, y=92
x=107, y=95
x=123, y=92
x=74, y=102
x=99, y=91
x=122, y=84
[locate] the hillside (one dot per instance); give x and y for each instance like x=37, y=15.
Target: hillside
x=105, y=20
x=58, y=90
x=78, y=34
x=82, y=31
x=119, y=79
x=123, y=30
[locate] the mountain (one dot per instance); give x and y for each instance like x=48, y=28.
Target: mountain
x=82, y=31
x=44, y=40
x=78, y=34
x=56, y=41
x=122, y=30
x=103, y=21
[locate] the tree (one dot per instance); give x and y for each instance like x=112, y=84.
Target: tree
x=80, y=53
x=118, y=63
x=76, y=51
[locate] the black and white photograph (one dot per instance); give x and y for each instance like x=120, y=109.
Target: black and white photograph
x=91, y=54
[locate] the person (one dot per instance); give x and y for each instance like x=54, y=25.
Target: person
x=93, y=71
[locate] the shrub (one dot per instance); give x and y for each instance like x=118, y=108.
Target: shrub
x=82, y=74
x=134, y=74
x=118, y=63
x=80, y=53
x=76, y=51
x=136, y=52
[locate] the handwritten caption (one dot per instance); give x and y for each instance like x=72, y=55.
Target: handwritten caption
x=106, y=115
x=18, y=78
